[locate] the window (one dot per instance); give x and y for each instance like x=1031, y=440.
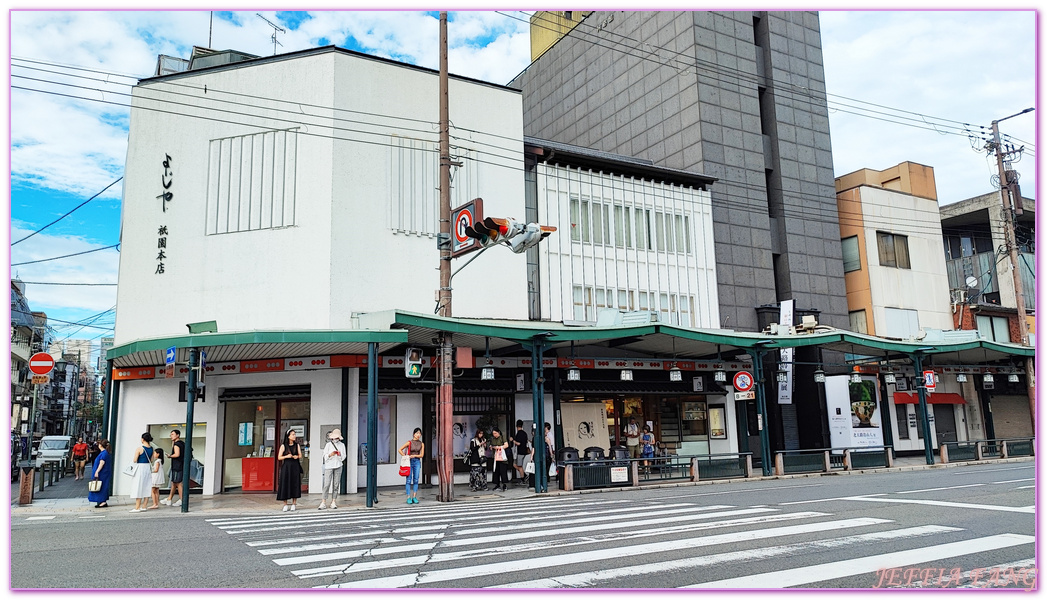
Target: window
x=859, y=324
x=251, y=182
x=894, y=250
x=643, y=229
x=851, y=260
x=994, y=329
x=901, y=413
x=582, y=303
x=900, y=323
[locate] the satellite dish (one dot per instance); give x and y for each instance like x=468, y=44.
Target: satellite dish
x=972, y=282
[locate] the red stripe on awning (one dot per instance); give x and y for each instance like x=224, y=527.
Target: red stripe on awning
x=932, y=398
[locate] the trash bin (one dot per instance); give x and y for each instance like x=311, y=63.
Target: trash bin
x=594, y=453
x=564, y=454
x=620, y=454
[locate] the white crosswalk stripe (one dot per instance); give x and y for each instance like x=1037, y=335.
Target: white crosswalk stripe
x=580, y=541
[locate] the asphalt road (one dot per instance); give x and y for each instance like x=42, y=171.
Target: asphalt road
x=927, y=528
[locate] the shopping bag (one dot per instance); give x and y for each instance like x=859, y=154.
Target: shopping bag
x=499, y=455
x=552, y=469
x=131, y=469
x=529, y=468
x=405, y=465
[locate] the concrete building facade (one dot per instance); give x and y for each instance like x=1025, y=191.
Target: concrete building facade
x=738, y=96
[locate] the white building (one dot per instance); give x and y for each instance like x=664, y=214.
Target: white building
x=298, y=193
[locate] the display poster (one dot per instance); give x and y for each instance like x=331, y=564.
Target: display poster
x=717, y=428
x=854, y=415
x=463, y=428
x=386, y=417
x=584, y=425
x=245, y=435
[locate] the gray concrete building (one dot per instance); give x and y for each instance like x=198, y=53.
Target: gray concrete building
x=738, y=96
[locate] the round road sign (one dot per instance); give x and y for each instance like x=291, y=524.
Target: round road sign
x=41, y=363
x=465, y=219
x=743, y=381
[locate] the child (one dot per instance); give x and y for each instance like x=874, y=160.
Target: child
x=159, y=479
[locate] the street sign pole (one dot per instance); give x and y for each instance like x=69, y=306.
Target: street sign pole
x=190, y=400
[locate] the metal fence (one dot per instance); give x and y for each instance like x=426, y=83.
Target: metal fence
x=983, y=449
x=824, y=460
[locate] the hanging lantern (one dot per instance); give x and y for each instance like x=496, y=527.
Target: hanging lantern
x=626, y=375
x=675, y=374
x=961, y=378
x=1012, y=378
x=720, y=375
x=574, y=374
x=819, y=376
x=889, y=377
x=987, y=378
x=487, y=373
x=856, y=378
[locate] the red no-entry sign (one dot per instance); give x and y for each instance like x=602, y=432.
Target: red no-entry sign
x=41, y=363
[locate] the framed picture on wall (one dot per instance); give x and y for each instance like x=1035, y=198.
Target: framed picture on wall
x=717, y=422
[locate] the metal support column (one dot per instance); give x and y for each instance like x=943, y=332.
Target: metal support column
x=372, y=423
x=925, y=423
x=190, y=401
x=541, y=468
x=344, y=423
x=761, y=408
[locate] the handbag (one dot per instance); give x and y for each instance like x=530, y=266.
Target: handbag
x=405, y=465
x=95, y=485
x=131, y=469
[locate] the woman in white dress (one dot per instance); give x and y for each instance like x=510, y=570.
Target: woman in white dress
x=142, y=486
x=159, y=477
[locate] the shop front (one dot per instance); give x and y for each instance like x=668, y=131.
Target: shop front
x=256, y=423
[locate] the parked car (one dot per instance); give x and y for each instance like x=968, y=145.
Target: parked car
x=55, y=447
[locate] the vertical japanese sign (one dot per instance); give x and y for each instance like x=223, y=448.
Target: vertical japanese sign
x=785, y=388
x=165, y=197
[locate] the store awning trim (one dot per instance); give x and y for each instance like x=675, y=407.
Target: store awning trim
x=932, y=398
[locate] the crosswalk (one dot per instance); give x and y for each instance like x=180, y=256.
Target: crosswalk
x=604, y=542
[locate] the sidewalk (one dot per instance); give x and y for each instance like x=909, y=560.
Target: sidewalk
x=70, y=495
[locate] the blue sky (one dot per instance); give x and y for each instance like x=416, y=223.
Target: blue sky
x=943, y=67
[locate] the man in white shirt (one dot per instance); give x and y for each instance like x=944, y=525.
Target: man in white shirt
x=632, y=438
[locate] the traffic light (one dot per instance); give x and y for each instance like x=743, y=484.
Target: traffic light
x=413, y=363
x=516, y=235
x=530, y=236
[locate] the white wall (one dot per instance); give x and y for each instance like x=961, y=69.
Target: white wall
x=566, y=263
x=341, y=255
x=925, y=286
x=152, y=402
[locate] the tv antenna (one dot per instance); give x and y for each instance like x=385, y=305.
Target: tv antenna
x=276, y=28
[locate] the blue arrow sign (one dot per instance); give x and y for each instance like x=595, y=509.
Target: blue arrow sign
x=171, y=353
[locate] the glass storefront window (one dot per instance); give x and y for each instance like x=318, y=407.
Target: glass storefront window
x=385, y=446
x=162, y=439
x=254, y=430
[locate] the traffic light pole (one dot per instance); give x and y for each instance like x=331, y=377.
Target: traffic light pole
x=445, y=394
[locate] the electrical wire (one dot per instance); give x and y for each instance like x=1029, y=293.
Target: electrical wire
x=68, y=213
x=30, y=262
x=61, y=283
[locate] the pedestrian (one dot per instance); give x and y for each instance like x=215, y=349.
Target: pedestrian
x=142, y=486
x=334, y=456
x=177, y=453
x=80, y=450
x=289, y=486
x=415, y=449
x=632, y=438
x=102, y=471
x=501, y=463
x=550, y=450
x=647, y=444
x=520, y=450
x=158, y=476
x=478, y=462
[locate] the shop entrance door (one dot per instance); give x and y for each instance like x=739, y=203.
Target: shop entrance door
x=944, y=423
x=254, y=430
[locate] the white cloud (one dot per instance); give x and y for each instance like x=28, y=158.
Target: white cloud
x=96, y=267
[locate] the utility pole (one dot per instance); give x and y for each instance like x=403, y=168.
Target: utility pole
x=445, y=393
x=1009, y=217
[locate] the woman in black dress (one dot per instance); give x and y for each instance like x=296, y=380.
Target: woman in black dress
x=289, y=486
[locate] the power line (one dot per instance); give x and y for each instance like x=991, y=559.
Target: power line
x=65, y=256
x=68, y=213
x=51, y=319
x=63, y=283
